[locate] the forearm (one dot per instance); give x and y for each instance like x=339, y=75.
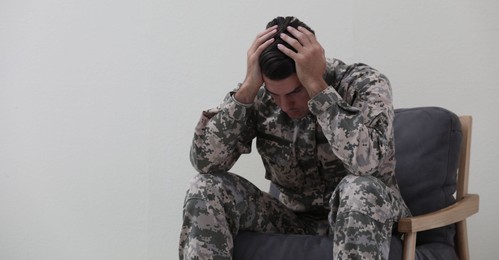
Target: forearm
x=221, y=136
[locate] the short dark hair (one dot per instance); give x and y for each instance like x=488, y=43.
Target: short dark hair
x=274, y=64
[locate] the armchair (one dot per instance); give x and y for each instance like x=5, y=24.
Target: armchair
x=432, y=150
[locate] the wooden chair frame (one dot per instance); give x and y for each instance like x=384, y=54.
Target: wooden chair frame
x=465, y=206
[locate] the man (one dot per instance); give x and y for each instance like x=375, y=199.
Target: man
x=325, y=134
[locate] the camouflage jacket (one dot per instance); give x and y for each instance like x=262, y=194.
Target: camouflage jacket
x=349, y=130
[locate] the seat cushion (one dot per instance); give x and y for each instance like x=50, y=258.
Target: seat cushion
x=258, y=246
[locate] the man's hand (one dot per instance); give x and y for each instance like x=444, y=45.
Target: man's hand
x=254, y=80
x=310, y=60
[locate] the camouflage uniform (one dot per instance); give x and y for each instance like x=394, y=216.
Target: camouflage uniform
x=337, y=160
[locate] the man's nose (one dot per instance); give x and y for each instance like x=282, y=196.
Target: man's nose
x=286, y=103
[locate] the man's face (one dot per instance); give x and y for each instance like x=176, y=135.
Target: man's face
x=289, y=95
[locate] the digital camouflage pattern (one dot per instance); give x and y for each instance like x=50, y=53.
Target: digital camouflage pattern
x=349, y=132
x=220, y=204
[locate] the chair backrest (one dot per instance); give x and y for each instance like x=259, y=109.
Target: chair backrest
x=427, y=143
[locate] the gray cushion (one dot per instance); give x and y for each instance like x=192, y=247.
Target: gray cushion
x=427, y=142
x=259, y=246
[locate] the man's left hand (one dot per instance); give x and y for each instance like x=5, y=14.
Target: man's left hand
x=310, y=60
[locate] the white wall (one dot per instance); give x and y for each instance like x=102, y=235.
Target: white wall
x=98, y=100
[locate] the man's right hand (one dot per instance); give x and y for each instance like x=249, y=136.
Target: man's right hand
x=254, y=80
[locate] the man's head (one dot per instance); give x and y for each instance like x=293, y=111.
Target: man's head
x=274, y=64
x=279, y=72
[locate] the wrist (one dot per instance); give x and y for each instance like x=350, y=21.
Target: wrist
x=314, y=88
x=246, y=94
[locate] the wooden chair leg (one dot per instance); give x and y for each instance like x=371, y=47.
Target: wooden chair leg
x=462, y=240
x=409, y=246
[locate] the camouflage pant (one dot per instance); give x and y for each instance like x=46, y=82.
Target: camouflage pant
x=218, y=205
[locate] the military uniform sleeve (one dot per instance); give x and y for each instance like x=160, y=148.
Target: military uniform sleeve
x=356, y=116
x=222, y=135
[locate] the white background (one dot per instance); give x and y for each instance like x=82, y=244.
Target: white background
x=99, y=98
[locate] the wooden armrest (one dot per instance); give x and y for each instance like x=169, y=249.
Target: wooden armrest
x=446, y=216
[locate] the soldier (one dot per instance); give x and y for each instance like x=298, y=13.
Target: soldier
x=324, y=131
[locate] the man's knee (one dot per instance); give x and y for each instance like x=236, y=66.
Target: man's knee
x=361, y=186
x=205, y=186
x=363, y=194
x=220, y=187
